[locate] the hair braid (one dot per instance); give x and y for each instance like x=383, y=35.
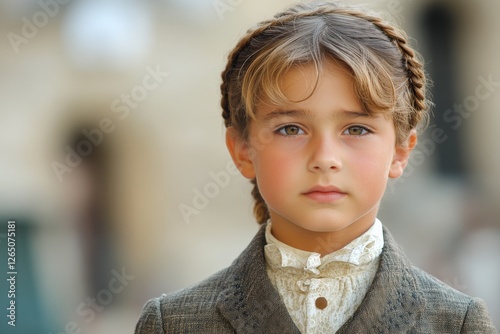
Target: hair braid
x=236, y=113
x=260, y=211
x=416, y=74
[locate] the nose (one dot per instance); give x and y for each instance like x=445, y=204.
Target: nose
x=325, y=155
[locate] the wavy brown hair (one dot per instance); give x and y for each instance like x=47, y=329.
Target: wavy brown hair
x=388, y=73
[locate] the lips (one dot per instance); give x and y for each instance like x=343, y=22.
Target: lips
x=325, y=194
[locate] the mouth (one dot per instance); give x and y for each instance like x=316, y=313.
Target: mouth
x=324, y=194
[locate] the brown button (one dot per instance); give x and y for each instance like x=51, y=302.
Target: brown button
x=321, y=303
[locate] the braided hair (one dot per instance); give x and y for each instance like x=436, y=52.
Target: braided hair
x=388, y=74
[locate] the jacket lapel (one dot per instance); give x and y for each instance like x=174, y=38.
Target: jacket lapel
x=249, y=302
x=393, y=302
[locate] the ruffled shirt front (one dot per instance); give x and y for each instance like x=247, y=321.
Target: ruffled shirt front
x=322, y=293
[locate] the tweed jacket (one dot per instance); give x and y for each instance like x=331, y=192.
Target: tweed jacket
x=241, y=299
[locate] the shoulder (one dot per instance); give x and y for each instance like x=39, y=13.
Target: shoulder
x=198, y=309
x=441, y=307
x=193, y=308
x=201, y=296
x=445, y=303
x=440, y=294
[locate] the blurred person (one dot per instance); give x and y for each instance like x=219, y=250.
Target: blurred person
x=322, y=106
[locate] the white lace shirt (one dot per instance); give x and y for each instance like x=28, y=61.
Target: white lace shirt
x=321, y=293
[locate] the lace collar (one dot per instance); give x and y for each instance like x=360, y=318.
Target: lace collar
x=358, y=252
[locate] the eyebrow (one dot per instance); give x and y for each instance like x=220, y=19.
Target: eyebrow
x=305, y=113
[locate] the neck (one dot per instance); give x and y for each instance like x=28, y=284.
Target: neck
x=320, y=242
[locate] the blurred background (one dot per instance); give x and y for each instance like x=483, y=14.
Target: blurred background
x=114, y=167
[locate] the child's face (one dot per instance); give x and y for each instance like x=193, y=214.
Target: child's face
x=321, y=164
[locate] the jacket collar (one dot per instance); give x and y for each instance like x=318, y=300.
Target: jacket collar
x=252, y=305
x=394, y=300
x=249, y=301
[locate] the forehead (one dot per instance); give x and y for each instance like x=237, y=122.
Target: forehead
x=305, y=85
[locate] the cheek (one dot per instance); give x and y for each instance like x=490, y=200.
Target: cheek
x=371, y=169
x=274, y=165
x=275, y=172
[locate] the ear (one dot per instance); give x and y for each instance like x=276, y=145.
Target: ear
x=402, y=155
x=240, y=153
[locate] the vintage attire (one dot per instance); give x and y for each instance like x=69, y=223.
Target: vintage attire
x=369, y=286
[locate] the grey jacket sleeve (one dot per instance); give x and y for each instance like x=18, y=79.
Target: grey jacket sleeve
x=477, y=319
x=150, y=321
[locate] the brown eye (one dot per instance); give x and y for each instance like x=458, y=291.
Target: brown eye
x=356, y=131
x=290, y=130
